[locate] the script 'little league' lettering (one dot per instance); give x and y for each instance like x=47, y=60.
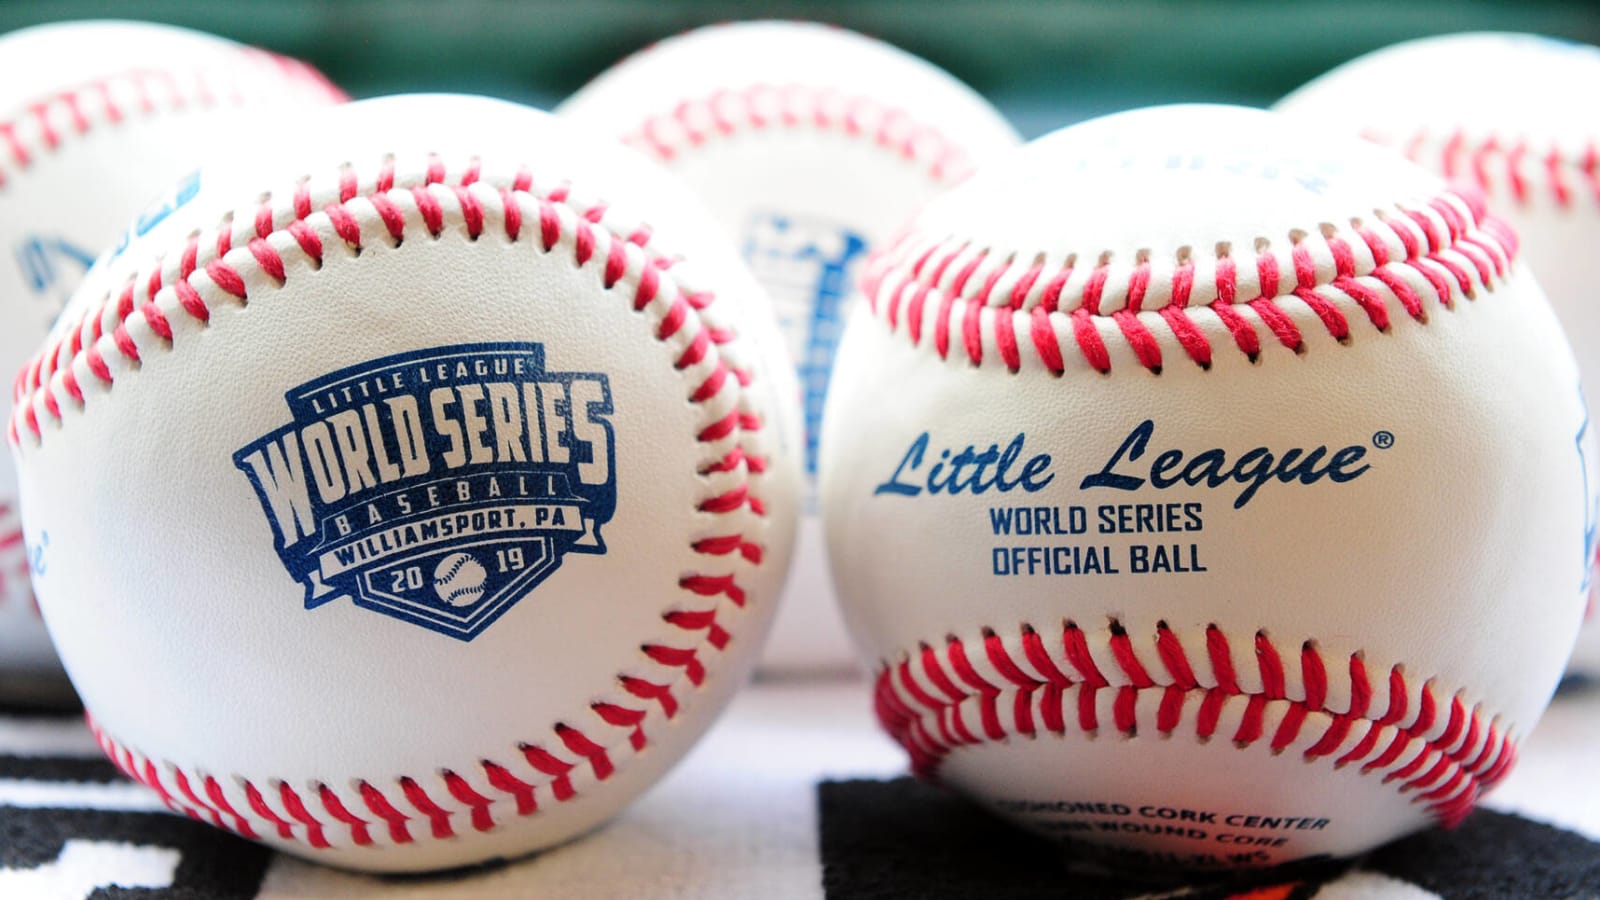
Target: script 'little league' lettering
x=439, y=486
x=977, y=472
x=1104, y=535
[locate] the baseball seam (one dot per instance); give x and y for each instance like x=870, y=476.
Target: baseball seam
x=456, y=594
x=697, y=121
x=14, y=585
x=43, y=125
x=966, y=299
x=1086, y=684
x=254, y=252
x=1516, y=167
x=461, y=561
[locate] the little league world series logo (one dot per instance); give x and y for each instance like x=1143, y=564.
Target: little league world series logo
x=439, y=486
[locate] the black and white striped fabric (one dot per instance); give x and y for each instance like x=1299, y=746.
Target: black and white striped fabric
x=794, y=795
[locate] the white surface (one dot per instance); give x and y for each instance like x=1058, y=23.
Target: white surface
x=84, y=866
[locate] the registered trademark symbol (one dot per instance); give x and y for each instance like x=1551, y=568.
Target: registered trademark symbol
x=1383, y=440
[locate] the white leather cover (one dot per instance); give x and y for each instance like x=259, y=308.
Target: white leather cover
x=811, y=145
x=414, y=730
x=1514, y=114
x=100, y=118
x=1209, y=490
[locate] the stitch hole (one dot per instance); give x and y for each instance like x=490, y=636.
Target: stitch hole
x=1329, y=231
x=1184, y=255
x=1141, y=256
x=1039, y=260
x=1296, y=235
x=1224, y=249
x=1263, y=245
x=1105, y=258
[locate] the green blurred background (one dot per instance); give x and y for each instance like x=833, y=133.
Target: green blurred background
x=1045, y=64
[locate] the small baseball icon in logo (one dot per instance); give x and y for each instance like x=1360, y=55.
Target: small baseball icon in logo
x=459, y=579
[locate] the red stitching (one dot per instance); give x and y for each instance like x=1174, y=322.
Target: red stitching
x=1522, y=170
x=1448, y=246
x=94, y=102
x=206, y=268
x=695, y=122
x=927, y=711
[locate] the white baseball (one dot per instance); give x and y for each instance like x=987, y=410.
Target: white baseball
x=97, y=119
x=1513, y=114
x=1209, y=492
x=459, y=580
x=811, y=145
x=401, y=328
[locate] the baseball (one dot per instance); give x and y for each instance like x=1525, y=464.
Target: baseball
x=458, y=579
x=1498, y=114
x=393, y=337
x=96, y=118
x=810, y=144
x=1208, y=492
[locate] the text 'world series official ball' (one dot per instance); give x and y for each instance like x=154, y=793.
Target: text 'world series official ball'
x=811, y=145
x=1513, y=114
x=416, y=490
x=1209, y=492
x=96, y=120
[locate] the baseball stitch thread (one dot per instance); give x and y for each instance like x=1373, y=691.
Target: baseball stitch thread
x=791, y=107
x=210, y=270
x=1443, y=755
x=43, y=125
x=1517, y=168
x=14, y=587
x=995, y=305
x=461, y=561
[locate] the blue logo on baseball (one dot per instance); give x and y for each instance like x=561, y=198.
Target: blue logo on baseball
x=806, y=265
x=441, y=486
